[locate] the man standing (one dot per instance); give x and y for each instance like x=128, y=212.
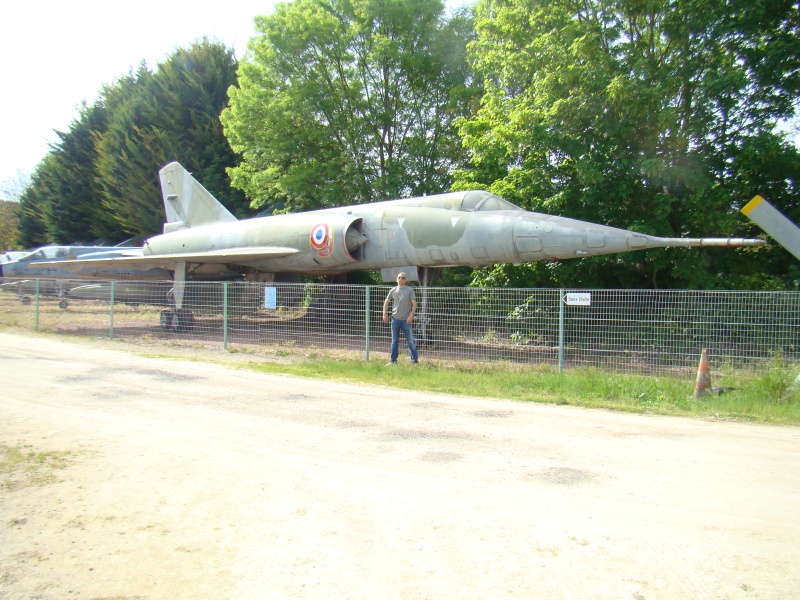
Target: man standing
x=404, y=306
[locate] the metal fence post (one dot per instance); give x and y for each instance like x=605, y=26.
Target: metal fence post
x=225, y=315
x=366, y=323
x=36, y=310
x=111, y=312
x=560, y=331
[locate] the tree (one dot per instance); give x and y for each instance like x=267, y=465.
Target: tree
x=100, y=180
x=73, y=212
x=349, y=101
x=9, y=225
x=642, y=115
x=13, y=187
x=155, y=118
x=32, y=223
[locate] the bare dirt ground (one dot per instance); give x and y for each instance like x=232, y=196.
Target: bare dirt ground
x=178, y=479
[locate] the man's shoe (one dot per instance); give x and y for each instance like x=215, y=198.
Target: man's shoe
x=389, y=364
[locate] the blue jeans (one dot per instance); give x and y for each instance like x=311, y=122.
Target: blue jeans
x=397, y=325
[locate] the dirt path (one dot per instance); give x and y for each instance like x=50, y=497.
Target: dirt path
x=194, y=480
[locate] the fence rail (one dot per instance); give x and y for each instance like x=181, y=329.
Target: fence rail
x=641, y=331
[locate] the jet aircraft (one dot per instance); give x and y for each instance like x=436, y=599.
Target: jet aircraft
x=202, y=240
x=30, y=274
x=11, y=255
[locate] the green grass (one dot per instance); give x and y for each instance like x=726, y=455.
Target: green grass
x=762, y=397
x=765, y=395
x=21, y=467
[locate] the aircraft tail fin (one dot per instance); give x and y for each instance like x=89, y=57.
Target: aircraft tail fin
x=186, y=202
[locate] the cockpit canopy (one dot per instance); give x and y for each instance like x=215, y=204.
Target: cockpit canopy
x=472, y=201
x=481, y=201
x=58, y=253
x=46, y=253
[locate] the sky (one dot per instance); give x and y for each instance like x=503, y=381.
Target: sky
x=56, y=54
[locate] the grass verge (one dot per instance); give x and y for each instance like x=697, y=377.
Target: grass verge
x=767, y=396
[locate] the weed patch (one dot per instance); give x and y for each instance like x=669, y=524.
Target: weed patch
x=21, y=467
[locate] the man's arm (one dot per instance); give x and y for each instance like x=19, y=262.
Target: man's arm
x=386, y=306
x=413, y=310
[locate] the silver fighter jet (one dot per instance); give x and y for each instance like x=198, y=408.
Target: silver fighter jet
x=40, y=271
x=202, y=240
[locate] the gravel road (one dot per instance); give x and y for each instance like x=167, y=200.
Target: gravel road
x=186, y=479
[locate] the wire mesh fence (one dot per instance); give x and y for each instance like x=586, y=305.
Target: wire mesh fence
x=636, y=331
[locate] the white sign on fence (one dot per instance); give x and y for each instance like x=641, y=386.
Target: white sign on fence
x=270, y=297
x=577, y=299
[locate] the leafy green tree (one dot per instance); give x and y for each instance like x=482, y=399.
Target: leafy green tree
x=642, y=115
x=64, y=196
x=155, y=118
x=12, y=187
x=9, y=225
x=32, y=223
x=350, y=101
x=101, y=179
x=73, y=212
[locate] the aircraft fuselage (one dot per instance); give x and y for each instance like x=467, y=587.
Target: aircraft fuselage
x=203, y=240
x=399, y=234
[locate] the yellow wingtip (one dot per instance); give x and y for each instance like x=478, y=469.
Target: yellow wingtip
x=748, y=208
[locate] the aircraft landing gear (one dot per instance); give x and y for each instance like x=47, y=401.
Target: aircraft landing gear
x=63, y=304
x=177, y=320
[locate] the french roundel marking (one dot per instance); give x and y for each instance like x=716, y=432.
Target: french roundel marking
x=319, y=236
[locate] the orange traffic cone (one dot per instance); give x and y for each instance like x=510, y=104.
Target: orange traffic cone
x=703, y=383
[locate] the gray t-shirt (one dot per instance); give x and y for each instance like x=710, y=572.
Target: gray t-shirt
x=401, y=302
